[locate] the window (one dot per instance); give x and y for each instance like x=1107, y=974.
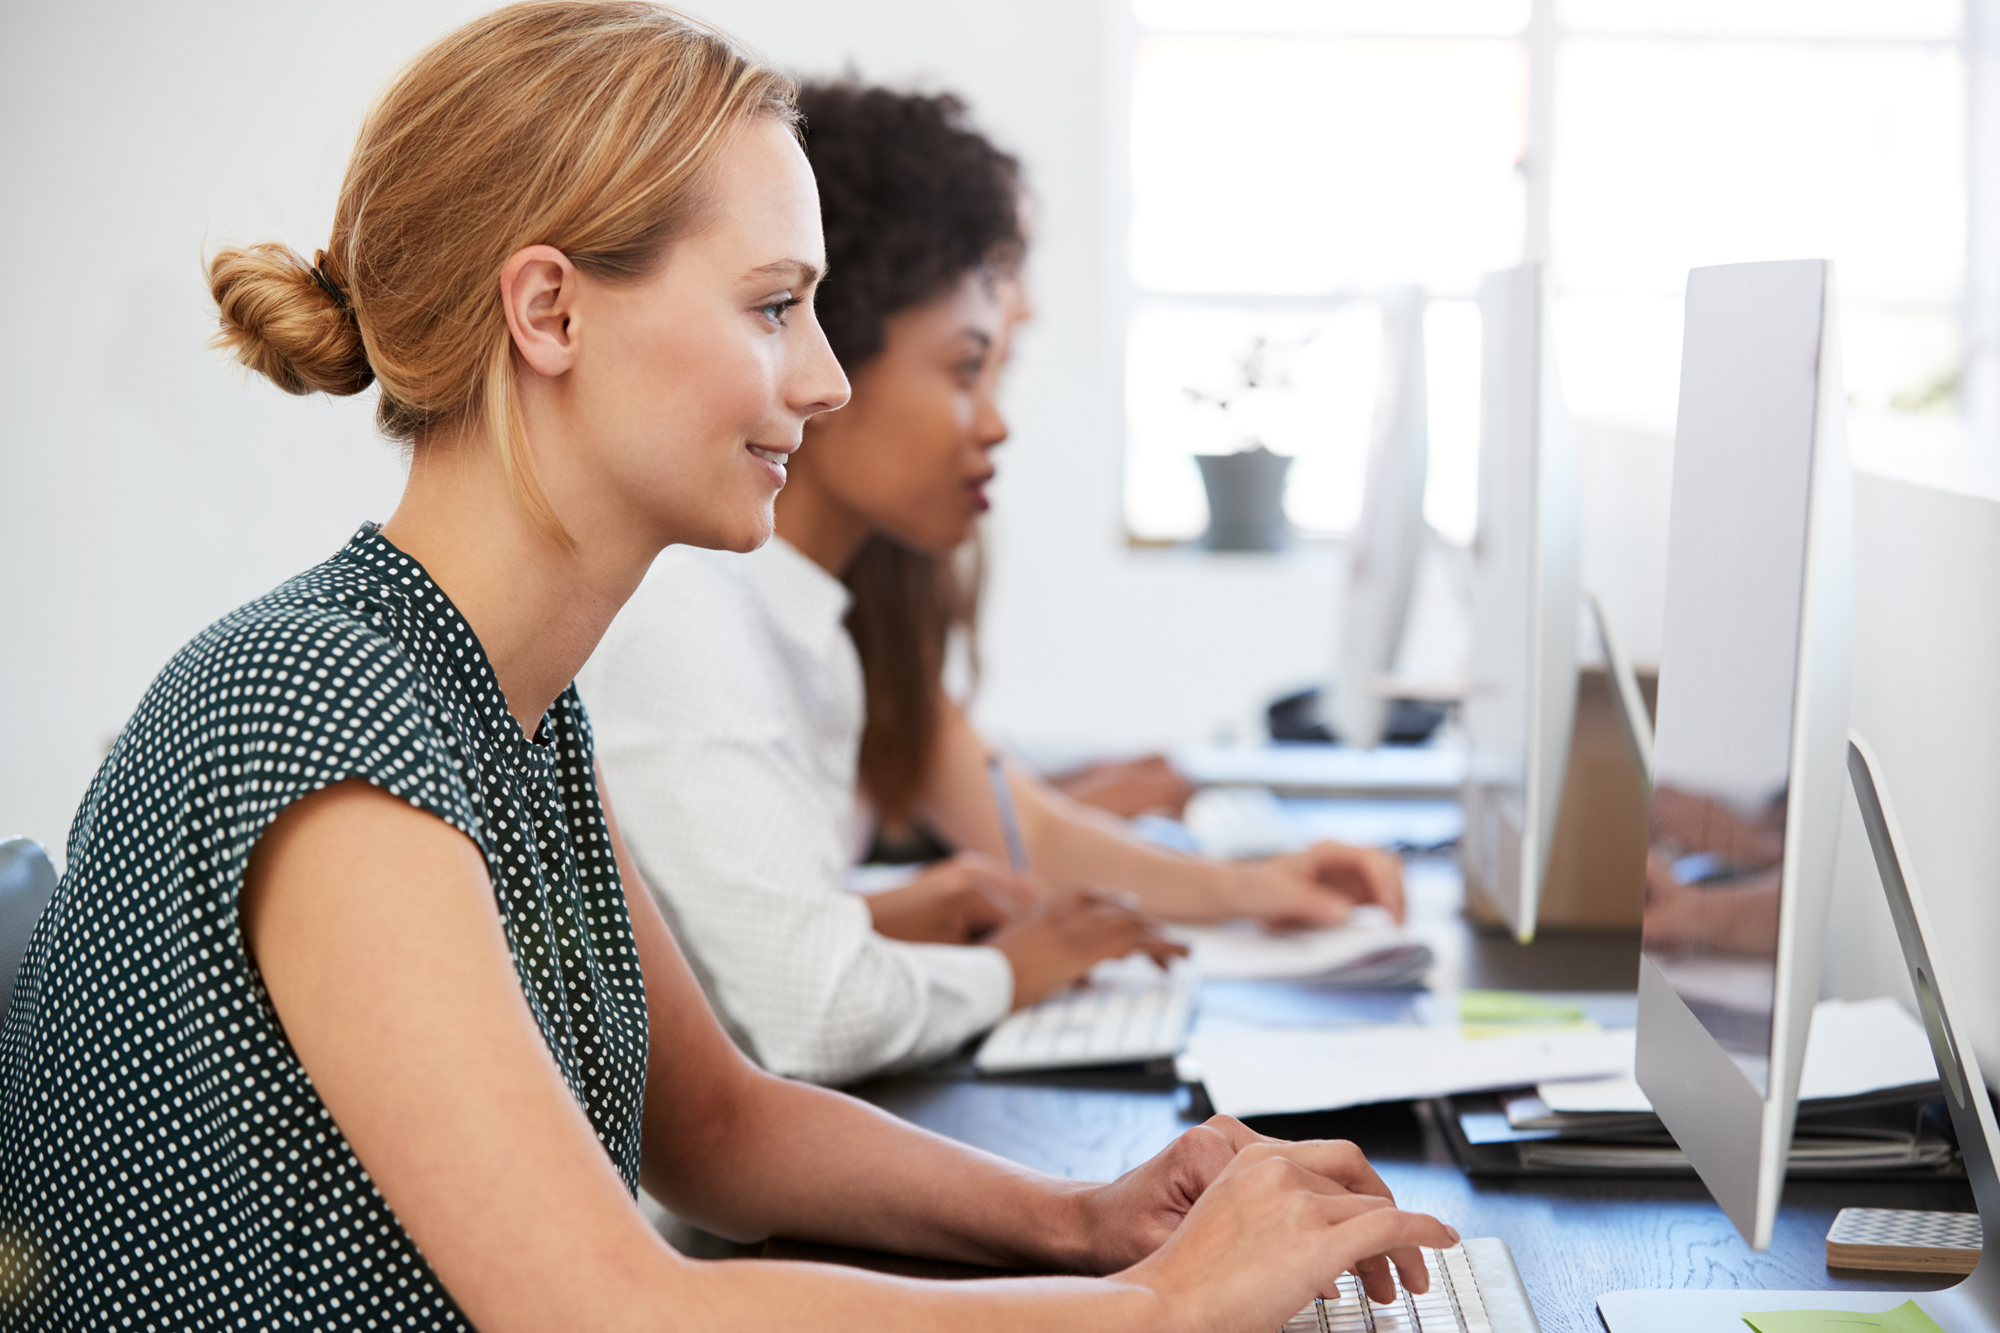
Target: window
x=1294, y=160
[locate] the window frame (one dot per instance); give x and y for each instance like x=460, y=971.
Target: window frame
x=1978, y=307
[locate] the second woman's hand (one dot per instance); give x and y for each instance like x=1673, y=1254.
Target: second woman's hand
x=1058, y=944
x=1320, y=886
x=960, y=900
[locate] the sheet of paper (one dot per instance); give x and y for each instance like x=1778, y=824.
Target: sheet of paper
x=1905, y=1318
x=1854, y=1047
x=1280, y=1071
x=1245, y=951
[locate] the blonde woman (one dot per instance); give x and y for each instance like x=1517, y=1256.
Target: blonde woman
x=350, y=1009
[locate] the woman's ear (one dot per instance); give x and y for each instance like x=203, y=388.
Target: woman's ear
x=538, y=291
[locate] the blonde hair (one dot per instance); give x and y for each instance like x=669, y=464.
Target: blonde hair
x=586, y=126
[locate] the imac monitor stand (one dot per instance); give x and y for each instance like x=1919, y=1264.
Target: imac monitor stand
x=1973, y=1306
x=1520, y=701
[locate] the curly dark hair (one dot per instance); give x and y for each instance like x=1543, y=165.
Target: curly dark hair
x=912, y=199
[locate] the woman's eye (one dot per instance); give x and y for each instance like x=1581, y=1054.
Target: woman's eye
x=775, y=310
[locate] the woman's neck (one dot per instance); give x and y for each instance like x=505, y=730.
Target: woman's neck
x=537, y=608
x=825, y=530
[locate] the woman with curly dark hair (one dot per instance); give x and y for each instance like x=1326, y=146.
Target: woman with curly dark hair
x=811, y=673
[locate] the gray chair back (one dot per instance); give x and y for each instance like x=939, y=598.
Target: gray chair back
x=27, y=882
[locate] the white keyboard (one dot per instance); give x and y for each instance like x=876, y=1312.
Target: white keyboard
x=1475, y=1288
x=1128, y=1012
x=1237, y=823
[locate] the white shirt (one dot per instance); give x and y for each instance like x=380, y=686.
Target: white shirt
x=728, y=705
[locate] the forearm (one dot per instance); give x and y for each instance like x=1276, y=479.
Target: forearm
x=734, y=1296
x=1074, y=847
x=811, y=1164
x=1069, y=844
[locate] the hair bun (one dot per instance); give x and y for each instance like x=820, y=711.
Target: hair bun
x=287, y=320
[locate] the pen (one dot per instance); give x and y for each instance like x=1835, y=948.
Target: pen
x=1010, y=827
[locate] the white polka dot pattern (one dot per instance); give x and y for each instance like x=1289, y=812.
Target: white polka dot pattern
x=164, y=1160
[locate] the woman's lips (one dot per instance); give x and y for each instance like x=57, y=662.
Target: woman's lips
x=771, y=460
x=976, y=488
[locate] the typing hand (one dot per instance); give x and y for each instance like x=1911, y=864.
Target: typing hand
x=958, y=901
x=1320, y=886
x=1056, y=946
x=1136, y=1213
x=1276, y=1227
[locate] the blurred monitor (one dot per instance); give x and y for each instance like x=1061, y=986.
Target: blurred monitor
x=1388, y=544
x=1520, y=698
x=1749, y=746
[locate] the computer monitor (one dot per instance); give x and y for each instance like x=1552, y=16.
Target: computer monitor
x=1752, y=725
x=1520, y=696
x=1973, y=1306
x=1388, y=544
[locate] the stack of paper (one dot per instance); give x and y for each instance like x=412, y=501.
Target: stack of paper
x=1854, y=1049
x=1315, y=1069
x=1865, y=1063
x=1370, y=952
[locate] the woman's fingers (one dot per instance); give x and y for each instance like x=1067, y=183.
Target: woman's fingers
x=1369, y=874
x=1383, y=874
x=1334, y=1160
x=1368, y=1234
x=1014, y=894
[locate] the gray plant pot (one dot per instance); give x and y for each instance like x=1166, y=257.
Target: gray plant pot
x=1246, y=499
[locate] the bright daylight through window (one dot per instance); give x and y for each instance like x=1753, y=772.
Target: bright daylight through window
x=1294, y=162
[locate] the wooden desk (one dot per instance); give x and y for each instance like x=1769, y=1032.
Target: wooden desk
x=1572, y=1238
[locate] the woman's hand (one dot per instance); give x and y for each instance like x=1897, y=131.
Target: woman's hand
x=1134, y=1215
x=957, y=901
x=1059, y=944
x=1320, y=886
x=1276, y=1227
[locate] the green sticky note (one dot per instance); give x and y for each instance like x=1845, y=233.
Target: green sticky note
x=1905, y=1318
x=1506, y=1006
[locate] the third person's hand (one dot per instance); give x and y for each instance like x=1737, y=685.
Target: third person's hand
x=1060, y=942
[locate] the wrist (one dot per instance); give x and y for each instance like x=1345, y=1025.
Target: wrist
x=1074, y=1232
x=1239, y=889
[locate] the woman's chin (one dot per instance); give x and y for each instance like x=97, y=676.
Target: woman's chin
x=742, y=535
x=933, y=538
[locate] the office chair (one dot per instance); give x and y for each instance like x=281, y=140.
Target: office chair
x=27, y=882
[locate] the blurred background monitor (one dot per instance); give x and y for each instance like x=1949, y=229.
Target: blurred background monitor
x=1388, y=544
x=1520, y=699
x=1749, y=748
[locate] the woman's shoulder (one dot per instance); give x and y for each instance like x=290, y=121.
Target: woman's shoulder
x=312, y=682
x=329, y=630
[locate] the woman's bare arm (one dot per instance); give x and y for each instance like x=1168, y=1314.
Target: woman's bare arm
x=375, y=929
x=1073, y=845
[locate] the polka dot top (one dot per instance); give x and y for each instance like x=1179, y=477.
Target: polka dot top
x=164, y=1160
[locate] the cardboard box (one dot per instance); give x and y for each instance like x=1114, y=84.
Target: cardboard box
x=1597, y=864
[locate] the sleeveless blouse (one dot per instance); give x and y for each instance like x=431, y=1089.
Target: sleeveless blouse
x=164, y=1159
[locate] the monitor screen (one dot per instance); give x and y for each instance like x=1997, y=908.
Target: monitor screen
x=1730, y=650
